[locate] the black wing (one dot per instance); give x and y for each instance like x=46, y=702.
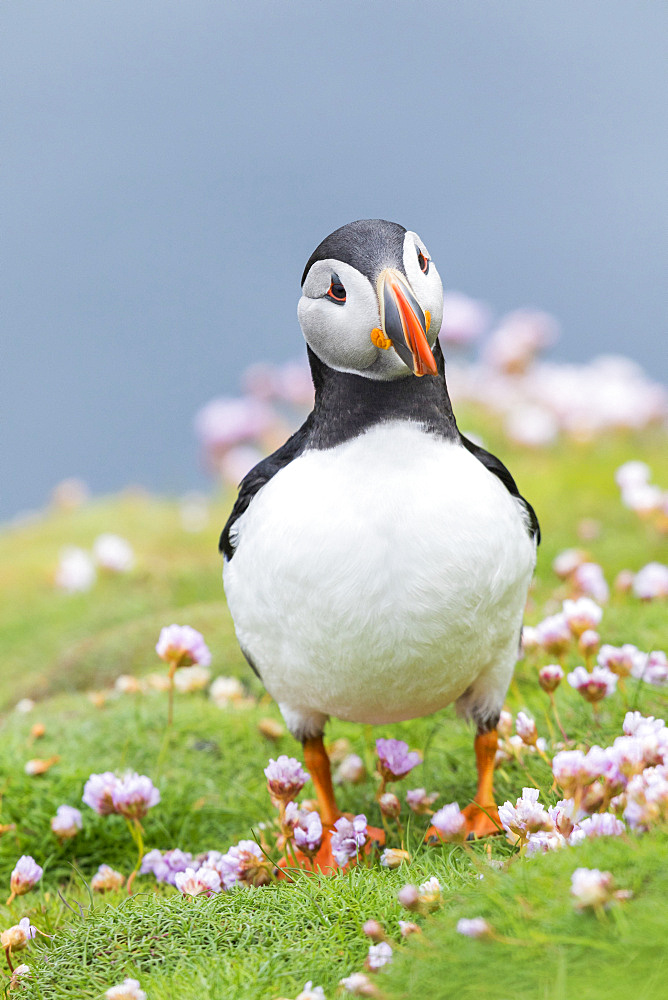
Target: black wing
x=256, y=479
x=496, y=466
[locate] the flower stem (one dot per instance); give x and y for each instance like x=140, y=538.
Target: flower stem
x=553, y=702
x=136, y=831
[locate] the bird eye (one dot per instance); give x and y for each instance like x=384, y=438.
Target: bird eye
x=423, y=261
x=337, y=292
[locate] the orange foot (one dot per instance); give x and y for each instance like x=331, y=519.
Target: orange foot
x=324, y=863
x=480, y=822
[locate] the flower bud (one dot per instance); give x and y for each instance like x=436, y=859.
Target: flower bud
x=550, y=677
x=393, y=857
x=409, y=897
x=374, y=930
x=390, y=805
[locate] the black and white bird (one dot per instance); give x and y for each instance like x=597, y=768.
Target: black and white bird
x=376, y=565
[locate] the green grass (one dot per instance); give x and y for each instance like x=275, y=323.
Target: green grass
x=266, y=943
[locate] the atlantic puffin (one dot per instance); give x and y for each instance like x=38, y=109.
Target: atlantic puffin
x=376, y=566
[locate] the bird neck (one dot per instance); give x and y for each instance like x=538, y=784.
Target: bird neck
x=346, y=404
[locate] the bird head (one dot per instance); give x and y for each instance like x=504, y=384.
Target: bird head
x=372, y=301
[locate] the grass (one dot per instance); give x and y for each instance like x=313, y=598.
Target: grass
x=266, y=943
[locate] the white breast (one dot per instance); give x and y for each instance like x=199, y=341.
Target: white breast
x=381, y=579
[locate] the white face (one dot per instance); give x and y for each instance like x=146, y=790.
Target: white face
x=340, y=332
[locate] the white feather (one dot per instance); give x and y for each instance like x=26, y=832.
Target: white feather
x=381, y=580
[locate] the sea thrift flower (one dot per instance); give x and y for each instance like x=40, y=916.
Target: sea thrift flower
x=632, y=474
x=530, y=638
x=419, y=801
x=195, y=883
x=359, y=985
x=164, y=865
x=39, y=765
x=389, y=805
x=476, y=927
x=600, y=683
x=393, y=857
x=285, y=778
x=651, y=582
x=430, y=893
x=526, y=816
x=621, y=660
x=18, y=936
x=311, y=992
x=106, y=879
x=464, y=319
x=374, y=930
x=544, y=841
x=181, y=646
x=379, y=955
x=582, y=615
x=67, y=822
x=568, y=561
x=308, y=833
x=655, y=669
x=395, y=760
x=348, y=837
x=504, y=726
x=589, y=642
x=133, y=795
x=26, y=874
x=602, y=825
x=647, y=798
x=526, y=729
x=550, y=677
x=450, y=823
x=409, y=897
x=588, y=579
x=351, y=770
x=244, y=863
x=113, y=553
x=76, y=572
x=98, y=792
x=127, y=990
x=624, y=581
x=554, y=634
x=591, y=887
x=407, y=927
x=226, y=690
x=571, y=771
x=190, y=679
x=564, y=817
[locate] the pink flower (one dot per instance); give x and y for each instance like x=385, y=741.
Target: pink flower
x=651, y=582
x=520, y=337
x=530, y=639
x=359, y=985
x=621, y=660
x=430, y=893
x=464, y=319
x=26, y=874
x=389, y=805
x=348, y=837
x=476, y=927
x=18, y=936
x=395, y=760
x=285, y=778
x=113, y=553
x=647, y=798
x=550, y=677
x=351, y=770
x=582, y=615
x=409, y=897
x=654, y=670
x=308, y=833
x=76, y=572
x=244, y=863
x=526, y=816
x=544, y=841
x=106, y=879
x=379, y=955
x=591, y=887
x=554, y=634
x=589, y=642
x=196, y=883
x=311, y=992
x=67, y=822
x=164, y=865
x=526, y=729
x=568, y=561
x=564, y=816
x=182, y=646
x=505, y=724
x=127, y=990
x=225, y=422
x=600, y=683
x=602, y=825
x=632, y=474
x=588, y=579
x=450, y=823
x=419, y=801
x=133, y=795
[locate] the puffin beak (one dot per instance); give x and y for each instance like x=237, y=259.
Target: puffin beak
x=404, y=322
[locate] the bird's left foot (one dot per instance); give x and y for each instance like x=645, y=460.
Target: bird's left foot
x=481, y=821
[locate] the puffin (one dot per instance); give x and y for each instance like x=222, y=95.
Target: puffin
x=376, y=566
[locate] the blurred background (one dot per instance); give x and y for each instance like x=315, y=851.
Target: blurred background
x=168, y=167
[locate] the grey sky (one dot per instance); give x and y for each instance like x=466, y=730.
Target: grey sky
x=168, y=167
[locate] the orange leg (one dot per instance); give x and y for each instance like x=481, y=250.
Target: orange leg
x=317, y=765
x=482, y=816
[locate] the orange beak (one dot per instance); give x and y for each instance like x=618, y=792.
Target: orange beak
x=404, y=322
